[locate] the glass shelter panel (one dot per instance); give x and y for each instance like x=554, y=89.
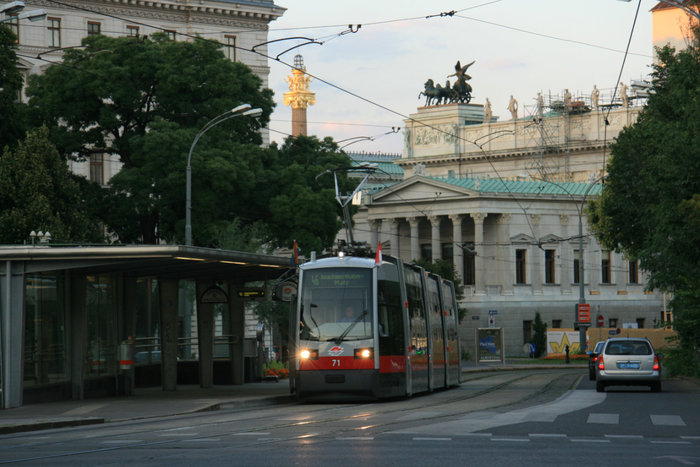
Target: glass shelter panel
x=101, y=330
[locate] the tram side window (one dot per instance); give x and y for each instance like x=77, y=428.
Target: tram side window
x=416, y=313
x=391, y=341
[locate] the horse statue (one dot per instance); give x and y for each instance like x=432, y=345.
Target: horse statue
x=435, y=95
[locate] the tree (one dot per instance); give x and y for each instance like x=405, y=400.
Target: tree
x=38, y=192
x=446, y=270
x=11, y=111
x=145, y=99
x=650, y=205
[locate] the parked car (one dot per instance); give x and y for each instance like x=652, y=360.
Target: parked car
x=628, y=361
x=593, y=359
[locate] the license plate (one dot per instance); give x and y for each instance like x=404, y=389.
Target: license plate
x=628, y=366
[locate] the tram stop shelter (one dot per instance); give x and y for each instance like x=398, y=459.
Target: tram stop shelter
x=73, y=317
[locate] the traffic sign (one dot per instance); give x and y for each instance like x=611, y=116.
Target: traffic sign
x=601, y=321
x=584, y=313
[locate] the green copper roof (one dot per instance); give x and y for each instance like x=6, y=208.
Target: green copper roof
x=498, y=185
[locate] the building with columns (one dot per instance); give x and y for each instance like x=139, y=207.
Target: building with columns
x=504, y=202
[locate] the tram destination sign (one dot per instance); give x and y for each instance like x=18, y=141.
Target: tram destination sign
x=339, y=278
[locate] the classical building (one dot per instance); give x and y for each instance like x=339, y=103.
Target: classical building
x=237, y=25
x=504, y=201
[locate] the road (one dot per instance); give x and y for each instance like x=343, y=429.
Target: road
x=517, y=418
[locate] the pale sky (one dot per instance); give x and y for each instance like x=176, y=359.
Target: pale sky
x=521, y=47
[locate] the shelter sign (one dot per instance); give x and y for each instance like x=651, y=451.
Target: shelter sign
x=490, y=345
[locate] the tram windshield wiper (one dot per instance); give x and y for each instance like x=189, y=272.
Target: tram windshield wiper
x=350, y=326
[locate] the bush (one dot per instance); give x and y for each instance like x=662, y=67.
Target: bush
x=275, y=368
x=680, y=361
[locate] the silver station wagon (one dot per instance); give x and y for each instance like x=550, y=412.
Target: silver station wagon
x=628, y=361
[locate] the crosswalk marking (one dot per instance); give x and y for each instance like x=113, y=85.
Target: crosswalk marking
x=606, y=418
x=667, y=420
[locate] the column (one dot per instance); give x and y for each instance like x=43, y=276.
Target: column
x=374, y=226
x=566, y=260
x=236, y=310
x=504, y=256
x=535, y=261
x=205, y=337
x=479, y=259
x=435, y=237
x=168, y=321
x=414, y=222
x=458, y=251
x=12, y=338
x=394, y=236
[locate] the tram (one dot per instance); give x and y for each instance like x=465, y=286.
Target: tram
x=372, y=327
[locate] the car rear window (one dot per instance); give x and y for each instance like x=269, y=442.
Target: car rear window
x=628, y=348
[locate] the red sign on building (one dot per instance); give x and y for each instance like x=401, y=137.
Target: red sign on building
x=584, y=313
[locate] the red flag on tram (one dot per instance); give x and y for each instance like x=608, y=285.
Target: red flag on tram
x=296, y=253
x=378, y=258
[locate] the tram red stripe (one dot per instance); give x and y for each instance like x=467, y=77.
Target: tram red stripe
x=337, y=363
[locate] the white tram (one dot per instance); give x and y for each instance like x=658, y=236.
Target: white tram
x=373, y=328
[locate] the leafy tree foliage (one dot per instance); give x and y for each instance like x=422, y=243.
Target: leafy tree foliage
x=650, y=207
x=539, y=337
x=11, y=114
x=446, y=270
x=145, y=100
x=38, y=192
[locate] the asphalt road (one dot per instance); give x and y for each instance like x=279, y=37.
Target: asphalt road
x=519, y=418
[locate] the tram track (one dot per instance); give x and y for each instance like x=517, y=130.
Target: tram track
x=489, y=392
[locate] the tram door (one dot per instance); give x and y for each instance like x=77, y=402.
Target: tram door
x=450, y=318
x=436, y=340
x=418, y=329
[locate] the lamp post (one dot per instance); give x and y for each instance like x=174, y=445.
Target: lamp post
x=243, y=109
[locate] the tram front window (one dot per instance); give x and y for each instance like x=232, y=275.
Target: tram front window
x=336, y=305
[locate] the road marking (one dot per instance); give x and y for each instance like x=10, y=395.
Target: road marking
x=515, y=440
x=667, y=420
x=625, y=436
x=547, y=435
x=670, y=442
x=588, y=440
x=690, y=437
x=606, y=418
x=122, y=441
x=420, y=438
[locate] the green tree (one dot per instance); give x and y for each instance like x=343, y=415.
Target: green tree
x=650, y=206
x=446, y=270
x=12, y=125
x=38, y=192
x=144, y=100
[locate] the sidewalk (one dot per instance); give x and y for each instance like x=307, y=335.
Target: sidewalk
x=154, y=402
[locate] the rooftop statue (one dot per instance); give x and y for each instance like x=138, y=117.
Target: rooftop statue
x=460, y=92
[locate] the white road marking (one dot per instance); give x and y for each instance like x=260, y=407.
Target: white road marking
x=516, y=440
x=588, y=440
x=606, y=418
x=667, y=420
x=547, y=435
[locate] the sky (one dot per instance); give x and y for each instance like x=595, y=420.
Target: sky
x=367, y=79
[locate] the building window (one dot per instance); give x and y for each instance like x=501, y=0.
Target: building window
x=447, y=252
x=640, y=323
x=230, y=47
x=549, y=266
x=469, y=270
x=426, y=251
x=520, y=255
x=612, y=323
x=527, y=332
x=556, y=324
x=450, y=174
x=633, y=272
x=93, y=28
x=605, y=273
x=577, y=270
x=132, y=31
x=97, y=168
x=13, y=24
x=171, y=34
x=54, y=30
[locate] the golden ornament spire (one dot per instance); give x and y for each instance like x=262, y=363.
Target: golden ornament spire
x=299, y=96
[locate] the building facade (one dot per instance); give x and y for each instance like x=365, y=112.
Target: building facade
x=237, y=25
x=504, y=201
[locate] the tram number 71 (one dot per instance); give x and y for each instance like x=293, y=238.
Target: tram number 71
x=335, y=362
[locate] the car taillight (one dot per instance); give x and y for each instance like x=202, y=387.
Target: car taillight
x=601, y=363
x=657, y=366
x=595, y=359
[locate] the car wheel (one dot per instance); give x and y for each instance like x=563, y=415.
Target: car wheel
x=600, y=386
x=656, y=387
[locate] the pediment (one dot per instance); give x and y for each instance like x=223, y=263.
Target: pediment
x=421, y=188
x=550, y=238
x=522, y=238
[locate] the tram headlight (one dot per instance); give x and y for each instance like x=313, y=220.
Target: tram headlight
x=308, y=354
x=363, y=353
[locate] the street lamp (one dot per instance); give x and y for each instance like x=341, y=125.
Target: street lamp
x=243, y=109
